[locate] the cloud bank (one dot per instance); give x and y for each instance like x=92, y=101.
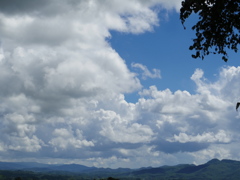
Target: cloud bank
x=62, y=90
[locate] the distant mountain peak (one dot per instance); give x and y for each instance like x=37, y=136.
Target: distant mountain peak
x=213, y=161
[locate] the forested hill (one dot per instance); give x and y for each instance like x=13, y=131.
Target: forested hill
x=212, y=170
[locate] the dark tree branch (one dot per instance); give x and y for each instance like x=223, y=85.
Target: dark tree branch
x=218, y=27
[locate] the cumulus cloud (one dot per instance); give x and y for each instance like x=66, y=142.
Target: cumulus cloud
x=62, y=90
x=209, y=137
x=63, y=138
x=146, y=73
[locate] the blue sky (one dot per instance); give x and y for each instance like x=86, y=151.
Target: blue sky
x=166, y=48
x=111, y=84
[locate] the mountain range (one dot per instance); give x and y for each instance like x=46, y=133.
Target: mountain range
x=214, y=169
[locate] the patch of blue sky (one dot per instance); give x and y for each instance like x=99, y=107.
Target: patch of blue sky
x=167, y=49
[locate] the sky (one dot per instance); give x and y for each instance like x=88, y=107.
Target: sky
x=111, y=83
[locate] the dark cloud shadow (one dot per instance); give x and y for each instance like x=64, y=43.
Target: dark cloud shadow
x=174, y=147
x=16, y=6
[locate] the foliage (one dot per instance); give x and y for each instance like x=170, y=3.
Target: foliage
x=218, y=27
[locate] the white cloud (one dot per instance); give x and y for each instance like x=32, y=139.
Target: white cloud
x=209, y=137
x=146, y=73
x=63, y=138
x=62, y=90
x=216, y=151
